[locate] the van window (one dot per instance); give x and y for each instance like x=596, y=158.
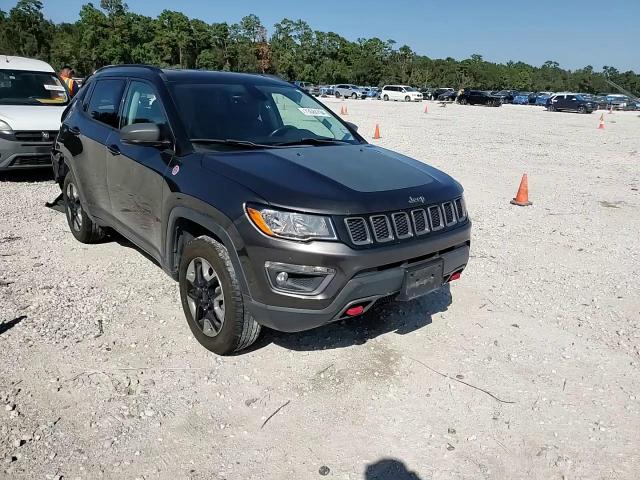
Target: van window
x=105, y=101
x=18, y=87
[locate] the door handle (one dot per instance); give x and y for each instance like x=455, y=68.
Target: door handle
x=74, y=130
x=114, y=149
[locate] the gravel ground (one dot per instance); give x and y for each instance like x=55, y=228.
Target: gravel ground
x=526, y=368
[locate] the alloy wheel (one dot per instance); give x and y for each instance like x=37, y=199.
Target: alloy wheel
x=205, y=296
x=74, y=209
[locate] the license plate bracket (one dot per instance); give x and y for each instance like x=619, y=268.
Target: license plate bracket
x=421, y=280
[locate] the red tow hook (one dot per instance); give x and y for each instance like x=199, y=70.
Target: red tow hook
x=455, y=276
x=355, y=311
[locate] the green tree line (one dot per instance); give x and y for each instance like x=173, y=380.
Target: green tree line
x=112, y=34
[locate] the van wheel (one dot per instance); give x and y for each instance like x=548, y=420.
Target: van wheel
x=82, y=227
x=407, y=98
x=385, y=98
x=212, y=299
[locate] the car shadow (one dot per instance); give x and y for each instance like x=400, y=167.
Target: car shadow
x=389, y=469
x=401, y=318
x=27, y=176
x=8, y=325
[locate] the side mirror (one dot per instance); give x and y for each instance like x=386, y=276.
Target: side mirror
x=147, y=134
x=352, y=126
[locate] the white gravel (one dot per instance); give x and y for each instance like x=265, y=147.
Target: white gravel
x=101, y=378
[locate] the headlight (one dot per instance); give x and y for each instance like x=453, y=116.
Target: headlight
x=291, y=225
x=5, y=127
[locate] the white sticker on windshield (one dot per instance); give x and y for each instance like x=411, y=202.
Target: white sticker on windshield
x=56, y=88
x=314, y=112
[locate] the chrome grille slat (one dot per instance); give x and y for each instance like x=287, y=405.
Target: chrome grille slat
x=402, y=225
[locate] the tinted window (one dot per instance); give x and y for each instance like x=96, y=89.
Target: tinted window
x=143, y=105
x=571, y=97
x=105, y=101
x=260, y=113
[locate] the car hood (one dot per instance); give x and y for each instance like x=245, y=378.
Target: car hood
x=32, y=117
x=340, y=179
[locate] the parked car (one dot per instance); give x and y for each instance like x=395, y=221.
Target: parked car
x=618, y=101
x=374, y=92
x=32, y=99
x=601, y=101
x=308, y=87
x=506, y=96
x=427, y=93
x=348, y=91
x=327, y=90
x=447, y=96
x=439, y=91
x=541, y=98
x=196, y=169
x=521, y=98
x=571, y=102
x=479, y=97
x=403, y=93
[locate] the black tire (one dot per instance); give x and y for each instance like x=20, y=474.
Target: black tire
x=463, y=101
x=238, y=329
x=81, y=226
x=582, y=109
x=385, y=98
x=407, y=98
x=551, y=108
x=337, y=94
x=354, y=95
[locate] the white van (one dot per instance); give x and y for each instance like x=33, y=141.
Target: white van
x=32, y=99
x=400, y=93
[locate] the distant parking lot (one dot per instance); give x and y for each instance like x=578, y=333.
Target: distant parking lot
x=527, y=368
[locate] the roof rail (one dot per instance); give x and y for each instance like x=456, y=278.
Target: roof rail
x=129, y=65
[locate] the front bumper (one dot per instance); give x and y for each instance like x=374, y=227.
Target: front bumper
x=16, y=155
x=361, y=275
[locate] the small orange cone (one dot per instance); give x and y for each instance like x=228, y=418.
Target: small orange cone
x=376, y=134
x=426, y=108
x=601, y=124
x=522, y=197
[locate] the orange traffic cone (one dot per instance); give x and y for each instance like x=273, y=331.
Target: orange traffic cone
x=426, y=108
x=522, y=197
x=376, y=134
x=601, y=124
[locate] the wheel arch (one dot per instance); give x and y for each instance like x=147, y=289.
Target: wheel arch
x=184, y=224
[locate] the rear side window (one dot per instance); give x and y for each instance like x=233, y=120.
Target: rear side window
x=105, y=101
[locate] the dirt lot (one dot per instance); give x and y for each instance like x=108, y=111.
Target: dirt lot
x=101, y=378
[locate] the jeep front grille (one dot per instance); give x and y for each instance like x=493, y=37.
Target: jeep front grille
x=358, y=231
x=381, y=228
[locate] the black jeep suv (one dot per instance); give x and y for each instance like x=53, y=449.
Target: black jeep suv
x=264, y=205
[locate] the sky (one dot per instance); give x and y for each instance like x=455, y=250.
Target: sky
x=574, y=33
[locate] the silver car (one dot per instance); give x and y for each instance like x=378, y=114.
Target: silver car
x=349, y=91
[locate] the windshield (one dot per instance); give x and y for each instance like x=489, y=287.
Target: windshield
x=261, y=114
x=19, y=87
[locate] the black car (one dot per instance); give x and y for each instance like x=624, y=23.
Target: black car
x=265, y=206
x=506, y=96
x=479, y=97
x=570, y=102
x=442, y=91
x=448, y=96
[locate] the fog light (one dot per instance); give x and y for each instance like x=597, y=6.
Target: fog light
x=281, y=279
x=300, y=279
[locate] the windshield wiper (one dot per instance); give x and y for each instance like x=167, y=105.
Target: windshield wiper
x=311, y=141
x=230, y=142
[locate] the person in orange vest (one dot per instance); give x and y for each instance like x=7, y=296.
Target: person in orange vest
x=66, y=75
